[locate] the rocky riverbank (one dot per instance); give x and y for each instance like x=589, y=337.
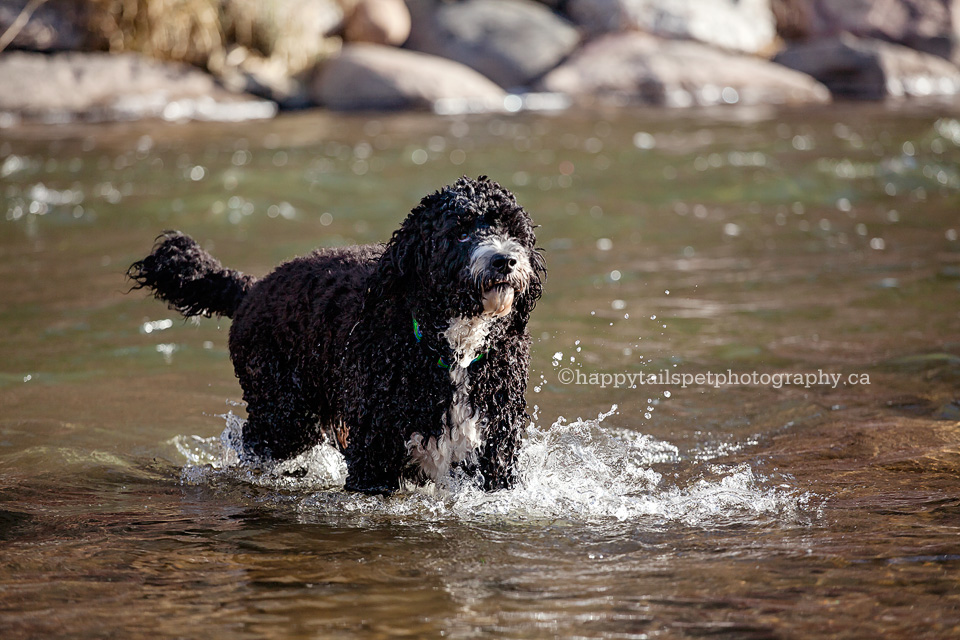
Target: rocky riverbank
x=65, y=60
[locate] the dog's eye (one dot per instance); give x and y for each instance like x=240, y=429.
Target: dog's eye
x=463, y=237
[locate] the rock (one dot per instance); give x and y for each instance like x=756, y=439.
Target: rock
x=512, y=42
x=368, y=76
x=932, y=26
x=56, y=25
x=737, y=25
x=99, y=86
x=636, y=67
x=872, y=69
x=378, y=22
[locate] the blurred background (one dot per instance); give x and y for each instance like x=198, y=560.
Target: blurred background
x=463, y=56
x=767, y=186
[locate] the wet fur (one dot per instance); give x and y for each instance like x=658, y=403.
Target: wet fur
x=324, y=346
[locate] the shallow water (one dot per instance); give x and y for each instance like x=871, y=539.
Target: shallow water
x=723, y=242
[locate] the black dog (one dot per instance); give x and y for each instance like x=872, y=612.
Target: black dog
x=412, y=356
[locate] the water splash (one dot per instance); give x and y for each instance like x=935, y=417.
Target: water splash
x=578, y=471
x=320, y=468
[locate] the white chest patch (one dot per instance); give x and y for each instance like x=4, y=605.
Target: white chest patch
x=463, y=426
x=467, y=337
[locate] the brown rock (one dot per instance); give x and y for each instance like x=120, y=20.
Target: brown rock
x=636, y=67
x=368, y=76
x=378, y=22
x=867, y=69
x=932, y=26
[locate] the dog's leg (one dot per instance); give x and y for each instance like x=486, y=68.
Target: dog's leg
x=497, y=462
x=280, y=432
x=374, y=465
x=280, y=423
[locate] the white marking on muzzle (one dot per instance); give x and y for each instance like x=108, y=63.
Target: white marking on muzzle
x=488, y=249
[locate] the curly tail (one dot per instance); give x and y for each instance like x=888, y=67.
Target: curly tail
x=188, y=278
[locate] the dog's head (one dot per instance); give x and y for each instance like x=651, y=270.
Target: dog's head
x=469, y=250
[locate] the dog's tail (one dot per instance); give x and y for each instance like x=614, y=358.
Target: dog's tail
x=192, y=281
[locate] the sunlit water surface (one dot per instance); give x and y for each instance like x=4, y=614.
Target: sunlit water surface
x=780, y=243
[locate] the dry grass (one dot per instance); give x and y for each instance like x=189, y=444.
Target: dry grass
x=183, y=30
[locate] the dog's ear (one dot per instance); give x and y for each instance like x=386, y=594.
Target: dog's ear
x=528, y=300
x=403, y=257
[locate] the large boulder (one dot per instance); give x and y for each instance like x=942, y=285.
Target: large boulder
x=55, y=25
x=99, y=86
x=637, y=67
x=868, y=69
x=737, y=25
x=932, y=26
x=512, y=42
x=369, y=76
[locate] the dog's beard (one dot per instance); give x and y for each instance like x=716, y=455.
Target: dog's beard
x=498, y=290
x=498, y=300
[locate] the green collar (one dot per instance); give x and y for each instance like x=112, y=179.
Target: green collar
x=440, y=362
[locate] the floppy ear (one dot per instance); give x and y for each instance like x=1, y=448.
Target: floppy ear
x=403, y=260
x=528, y=300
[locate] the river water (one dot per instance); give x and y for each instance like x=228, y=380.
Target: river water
x=812, y=253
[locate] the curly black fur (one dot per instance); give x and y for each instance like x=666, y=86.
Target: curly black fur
x=325, y=345
x=188, y=278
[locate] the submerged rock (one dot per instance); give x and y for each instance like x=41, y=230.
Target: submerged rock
x=369, y=76
x=635, y=67
x=512, y=42
x=100, y=87
x=872, y=69
x=738, y=25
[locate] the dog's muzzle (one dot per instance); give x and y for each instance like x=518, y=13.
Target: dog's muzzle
x=498, y=299
x=502, y=269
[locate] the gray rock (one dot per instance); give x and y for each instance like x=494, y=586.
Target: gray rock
x=369, y=76
x=932, y=26
x=872, y=69
x=56, y=25
x=98, y=87
x=737, y=25
x=512, y=42
x=636, y=67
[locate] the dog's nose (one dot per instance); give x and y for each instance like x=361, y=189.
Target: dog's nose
x=503, y=263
